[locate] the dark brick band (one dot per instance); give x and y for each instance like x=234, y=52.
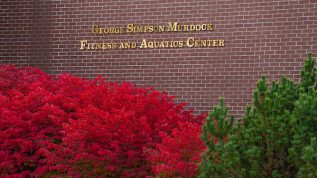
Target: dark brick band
x=261, y=37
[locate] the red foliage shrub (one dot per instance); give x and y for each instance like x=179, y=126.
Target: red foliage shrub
x=179, y=154
x=28, y=120
x=89, y=128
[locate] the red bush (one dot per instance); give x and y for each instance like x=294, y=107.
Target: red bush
x=89, y=128
x=28, y=121
x=179, y=154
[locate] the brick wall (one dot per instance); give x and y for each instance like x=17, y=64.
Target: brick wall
x=270, y=37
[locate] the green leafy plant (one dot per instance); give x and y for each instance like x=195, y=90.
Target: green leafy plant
x=215, y=137
x=276, y=136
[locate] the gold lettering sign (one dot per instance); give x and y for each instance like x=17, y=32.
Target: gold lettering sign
x=171, y=27
x=132, y=28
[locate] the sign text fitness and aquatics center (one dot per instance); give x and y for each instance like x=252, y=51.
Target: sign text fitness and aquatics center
x=190, y=42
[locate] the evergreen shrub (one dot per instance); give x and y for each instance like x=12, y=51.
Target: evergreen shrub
x=275, y=138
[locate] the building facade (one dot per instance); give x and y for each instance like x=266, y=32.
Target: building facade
x=197, y=50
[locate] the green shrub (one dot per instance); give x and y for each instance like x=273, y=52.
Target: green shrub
x=275, y=138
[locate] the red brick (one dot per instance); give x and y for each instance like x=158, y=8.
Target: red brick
x=262, y=37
